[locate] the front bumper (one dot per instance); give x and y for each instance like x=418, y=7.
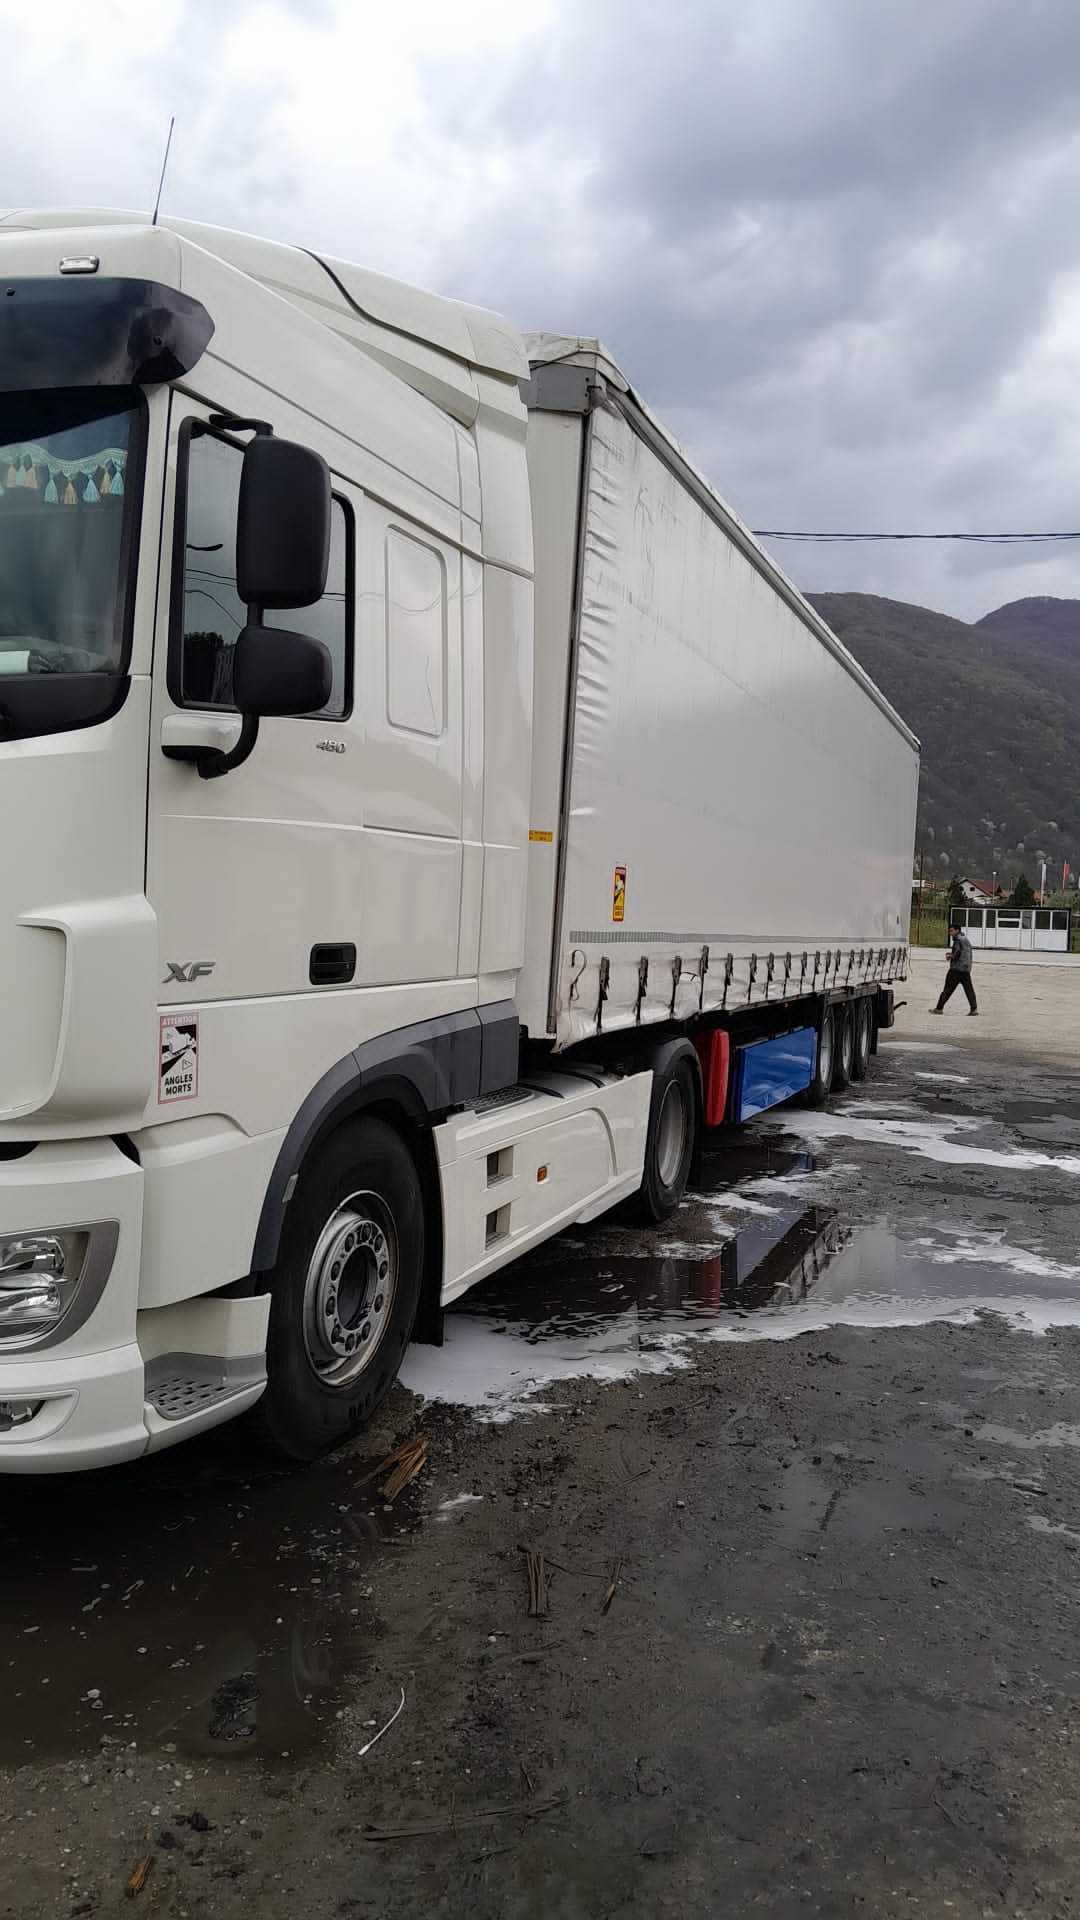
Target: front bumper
x=90, y=1385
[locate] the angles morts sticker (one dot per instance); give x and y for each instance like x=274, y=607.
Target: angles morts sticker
x=178, y=1057
x=618, y=895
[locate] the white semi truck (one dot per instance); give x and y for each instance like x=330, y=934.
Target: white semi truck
x=426, y=810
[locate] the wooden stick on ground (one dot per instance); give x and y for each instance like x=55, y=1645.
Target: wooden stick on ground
x=538, y=1587
x=139, y=1875
x=401, y=1466
x=528, y=1809
x=616, y=1576
x=413, y=1457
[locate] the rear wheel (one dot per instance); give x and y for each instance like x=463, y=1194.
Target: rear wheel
x=345, y=1290
x=817, y=1093
x=672, y=1134
x=862, y=1038
x=844, y=1042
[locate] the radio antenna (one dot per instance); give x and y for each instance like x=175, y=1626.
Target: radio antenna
x=164, y=164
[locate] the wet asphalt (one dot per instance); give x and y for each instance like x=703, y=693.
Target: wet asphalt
x=801, y=1466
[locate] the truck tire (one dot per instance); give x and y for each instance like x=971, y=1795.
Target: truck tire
x=345, y=1290
x=817, y=1093
x=861, y=1039
x=844, y=1045
x=671, y=1141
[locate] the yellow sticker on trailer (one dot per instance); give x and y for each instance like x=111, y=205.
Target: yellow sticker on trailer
x=618, y=895
x=541, y=833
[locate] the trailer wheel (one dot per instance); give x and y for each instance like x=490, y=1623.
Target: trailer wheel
x=674, y=1118
x=345, y=1290
x=862, y=1037
x=817, y=1093
x=844, y=1046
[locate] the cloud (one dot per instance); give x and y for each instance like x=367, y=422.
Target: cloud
x=832, y=244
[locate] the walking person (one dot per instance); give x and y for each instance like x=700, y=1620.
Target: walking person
x=959, y=974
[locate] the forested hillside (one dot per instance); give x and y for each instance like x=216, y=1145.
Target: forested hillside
x=995, y=706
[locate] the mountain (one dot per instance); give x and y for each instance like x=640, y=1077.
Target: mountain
x=1037, y=629
x=995, y=705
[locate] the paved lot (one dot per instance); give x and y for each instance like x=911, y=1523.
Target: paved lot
x=802, y=1468
x=1028, y=1002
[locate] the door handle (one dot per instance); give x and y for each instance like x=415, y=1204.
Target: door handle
x=190, y=736
x=332, y=963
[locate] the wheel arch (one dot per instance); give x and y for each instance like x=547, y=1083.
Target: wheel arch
x=409, y=1078
x=658, y=1055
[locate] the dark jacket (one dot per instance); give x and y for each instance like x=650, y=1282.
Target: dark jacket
x=960, y=953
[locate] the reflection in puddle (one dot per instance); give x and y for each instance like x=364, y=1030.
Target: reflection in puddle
x=186, y=1606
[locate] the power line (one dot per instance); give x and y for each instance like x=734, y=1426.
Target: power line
x=977, y=539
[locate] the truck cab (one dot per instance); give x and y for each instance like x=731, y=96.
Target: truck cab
x=202, y=935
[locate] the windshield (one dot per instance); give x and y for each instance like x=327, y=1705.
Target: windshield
x=68, y=486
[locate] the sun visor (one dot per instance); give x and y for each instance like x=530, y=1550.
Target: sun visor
x=84, y=332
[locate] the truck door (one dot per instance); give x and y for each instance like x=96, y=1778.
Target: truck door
x=266, y=878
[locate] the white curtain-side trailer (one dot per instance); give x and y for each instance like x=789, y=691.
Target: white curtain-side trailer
x=443, y=812
x=723, y=803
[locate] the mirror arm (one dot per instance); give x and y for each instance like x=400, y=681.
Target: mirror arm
x=211, y=765
x=234, y=423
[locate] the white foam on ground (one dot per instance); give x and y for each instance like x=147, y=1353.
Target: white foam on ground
x=884, y=1106
x=455, y=1502
x=1059, y=1435
x=737, y=1202
x=932, y=1139
x=916, y=1046
x=499, y=1372
x=992, y=1250
x=1039, y=1524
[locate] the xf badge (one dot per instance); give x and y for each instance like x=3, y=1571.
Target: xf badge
x=187, y=970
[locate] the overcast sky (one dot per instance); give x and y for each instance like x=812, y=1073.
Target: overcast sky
x=834, y=242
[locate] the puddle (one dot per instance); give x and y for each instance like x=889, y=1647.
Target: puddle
x=774, y=1271
x=186, y=1605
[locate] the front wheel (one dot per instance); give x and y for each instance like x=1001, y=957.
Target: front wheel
x=345, y=1290
x=672, y=1134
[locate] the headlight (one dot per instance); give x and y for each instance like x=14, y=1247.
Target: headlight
x=44, y=1274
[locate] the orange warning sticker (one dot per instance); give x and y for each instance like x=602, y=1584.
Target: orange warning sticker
x=618, y=895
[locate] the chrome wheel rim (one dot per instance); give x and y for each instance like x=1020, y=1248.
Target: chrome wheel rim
x=862, y=1036
x=349, y=1289
x=847, y=1049
x=671, y=1132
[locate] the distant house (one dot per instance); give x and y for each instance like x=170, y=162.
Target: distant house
x=978, y=893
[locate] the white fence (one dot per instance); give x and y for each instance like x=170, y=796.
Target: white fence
x=1037, y=929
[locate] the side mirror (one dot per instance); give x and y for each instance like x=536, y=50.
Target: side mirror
x=275, y=672
x=283, y=526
